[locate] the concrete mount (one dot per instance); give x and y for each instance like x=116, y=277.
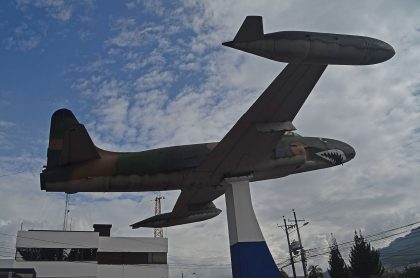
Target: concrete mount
x=249, y=252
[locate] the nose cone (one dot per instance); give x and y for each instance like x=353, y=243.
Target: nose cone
x=349, y=151
x=378, y=51
x=389, y=49
x=346, y=149
x=336, y=152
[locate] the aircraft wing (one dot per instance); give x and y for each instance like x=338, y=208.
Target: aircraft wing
x=253, y=138
x=193, y=205
x=251, y=141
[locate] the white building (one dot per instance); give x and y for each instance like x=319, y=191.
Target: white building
x=90, y=254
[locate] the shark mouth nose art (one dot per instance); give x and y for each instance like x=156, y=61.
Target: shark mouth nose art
x=334, y=156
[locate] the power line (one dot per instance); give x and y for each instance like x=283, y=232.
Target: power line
x=346, y=248
x=349, y=247
x=367, y=237
x=383, y=238
x=195, y=266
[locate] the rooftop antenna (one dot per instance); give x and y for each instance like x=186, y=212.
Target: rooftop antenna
x=158, y=232
x=66, y=212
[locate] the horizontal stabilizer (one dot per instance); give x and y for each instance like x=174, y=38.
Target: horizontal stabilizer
x=251, y=29
x=197, y=214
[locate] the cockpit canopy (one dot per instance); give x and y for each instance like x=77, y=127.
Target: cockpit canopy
x=291, y=133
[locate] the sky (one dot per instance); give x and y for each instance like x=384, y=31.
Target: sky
x=143, y=74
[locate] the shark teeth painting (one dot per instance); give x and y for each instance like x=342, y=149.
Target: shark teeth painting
x=334, y=156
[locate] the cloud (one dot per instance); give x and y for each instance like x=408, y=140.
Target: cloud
x=151, y=6
x=136, y=61
x=24, y=44
x=172, y=83
x=29, y=22
x=22, y=38
x=129, y=34
x=375, y=114
x=58, y=9
x=6, y=128
x=154, y=79
x=6, y=124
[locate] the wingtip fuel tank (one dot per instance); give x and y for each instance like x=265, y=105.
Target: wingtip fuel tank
x=309, y=47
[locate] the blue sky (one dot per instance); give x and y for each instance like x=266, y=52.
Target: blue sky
x=142, y=74
x=50, y=46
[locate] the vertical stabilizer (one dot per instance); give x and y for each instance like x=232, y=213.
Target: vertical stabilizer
x=251, y=29
x=69, y=140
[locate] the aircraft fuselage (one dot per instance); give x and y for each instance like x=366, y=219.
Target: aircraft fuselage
x=172, y=168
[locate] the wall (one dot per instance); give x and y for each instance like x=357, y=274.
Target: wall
x=131, y=271
x=130, y=244
x=57, y=239
x=61, y=269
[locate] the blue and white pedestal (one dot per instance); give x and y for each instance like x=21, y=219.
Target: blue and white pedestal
x=249, y=252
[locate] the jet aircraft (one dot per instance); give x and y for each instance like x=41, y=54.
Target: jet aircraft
x=260, y=146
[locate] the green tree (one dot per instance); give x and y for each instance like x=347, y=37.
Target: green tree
x=338, y=268
x=364, y=259
x=411, y=272
x=392, y=274
x=315, y=272
x=284, y=273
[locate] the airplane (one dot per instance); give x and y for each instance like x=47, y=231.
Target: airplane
x=261, y=145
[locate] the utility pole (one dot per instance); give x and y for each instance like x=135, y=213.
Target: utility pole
x=302, y=252
x=158, y=232
x=66, y=212
x=290, y=249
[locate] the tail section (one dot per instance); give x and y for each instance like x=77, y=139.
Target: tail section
x=69, y=140
x=251, y=29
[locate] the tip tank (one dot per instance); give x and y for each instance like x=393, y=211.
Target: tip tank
x=309, y=47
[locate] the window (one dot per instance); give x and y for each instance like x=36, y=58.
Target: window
x=291, y=133
x=17, y=272
x=56, y=254
x=132, y=258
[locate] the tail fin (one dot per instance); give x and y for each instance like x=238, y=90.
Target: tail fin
x=69, y=140
x=251, y=29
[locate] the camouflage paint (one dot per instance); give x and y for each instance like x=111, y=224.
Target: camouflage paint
x=164, y=168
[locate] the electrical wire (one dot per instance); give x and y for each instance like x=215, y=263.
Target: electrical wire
x=317, y=251
x=367, y=236
x=347, y=248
